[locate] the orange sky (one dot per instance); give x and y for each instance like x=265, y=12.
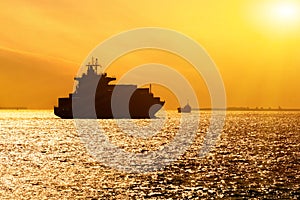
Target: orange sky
x=255, y=44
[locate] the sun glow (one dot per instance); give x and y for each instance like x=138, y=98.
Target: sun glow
x=276, y=17
x=286, y=12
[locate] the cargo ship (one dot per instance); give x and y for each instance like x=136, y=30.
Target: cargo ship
x=95, y=97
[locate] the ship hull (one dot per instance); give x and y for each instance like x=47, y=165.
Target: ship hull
x=138, y=107
x=182, y=110
x=139, y=112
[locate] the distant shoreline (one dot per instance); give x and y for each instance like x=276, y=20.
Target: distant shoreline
x=194, y=109
x=13, y=108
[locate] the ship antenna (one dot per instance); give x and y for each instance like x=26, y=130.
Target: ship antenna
x=96, y=64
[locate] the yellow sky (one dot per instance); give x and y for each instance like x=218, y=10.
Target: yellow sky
x=254, y=43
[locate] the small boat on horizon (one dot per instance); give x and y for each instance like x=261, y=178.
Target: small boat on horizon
x=186, y=109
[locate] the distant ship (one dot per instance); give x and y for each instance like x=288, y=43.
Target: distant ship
x=186, y=109
x=140, y=101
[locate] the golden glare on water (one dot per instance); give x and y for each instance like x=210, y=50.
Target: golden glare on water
x=256, y=157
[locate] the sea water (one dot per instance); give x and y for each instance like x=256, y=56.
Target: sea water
x=44, y=157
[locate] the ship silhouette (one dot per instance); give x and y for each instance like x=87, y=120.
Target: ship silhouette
x=95, y=97
x=186, y=109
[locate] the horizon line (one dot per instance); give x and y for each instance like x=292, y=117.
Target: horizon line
x=195, y=109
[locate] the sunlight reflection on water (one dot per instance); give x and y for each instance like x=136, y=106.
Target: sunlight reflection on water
x=258, y=155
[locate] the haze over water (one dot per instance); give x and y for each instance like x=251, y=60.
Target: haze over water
x=42, y=156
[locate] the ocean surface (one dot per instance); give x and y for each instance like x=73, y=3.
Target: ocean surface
x=256, y=156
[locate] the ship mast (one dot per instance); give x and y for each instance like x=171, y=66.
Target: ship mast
x=94, y=65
